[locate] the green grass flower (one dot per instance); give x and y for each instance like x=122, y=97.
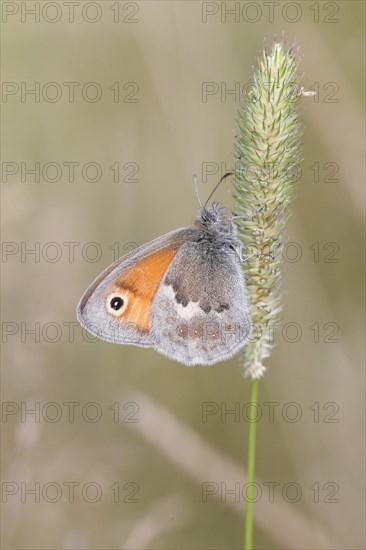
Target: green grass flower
x=269, y=151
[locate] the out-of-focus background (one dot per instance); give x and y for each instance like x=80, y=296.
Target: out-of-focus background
x=124, y=448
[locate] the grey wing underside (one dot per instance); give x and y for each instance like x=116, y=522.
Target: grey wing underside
x=91, y=312
x=200, y=312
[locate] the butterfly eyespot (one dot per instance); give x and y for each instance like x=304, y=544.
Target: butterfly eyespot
x=116, y=304
x=182, y=330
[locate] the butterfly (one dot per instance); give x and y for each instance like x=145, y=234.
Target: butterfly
x=183, y=294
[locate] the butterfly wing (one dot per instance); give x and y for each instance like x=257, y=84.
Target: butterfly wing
x=117, y=305
x=200, y=312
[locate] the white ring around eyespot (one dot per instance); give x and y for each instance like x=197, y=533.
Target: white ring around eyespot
x=118, y=312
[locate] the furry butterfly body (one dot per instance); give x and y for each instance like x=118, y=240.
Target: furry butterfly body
x=182, y=294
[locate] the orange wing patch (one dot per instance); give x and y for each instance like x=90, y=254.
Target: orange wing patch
x=139, y=285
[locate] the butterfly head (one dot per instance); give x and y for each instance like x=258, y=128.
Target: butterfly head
x=215, y=224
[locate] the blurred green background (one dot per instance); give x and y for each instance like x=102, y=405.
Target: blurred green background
x=140, y=469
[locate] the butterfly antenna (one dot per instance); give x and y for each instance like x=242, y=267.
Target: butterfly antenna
x=217, y=185
x=196, y=190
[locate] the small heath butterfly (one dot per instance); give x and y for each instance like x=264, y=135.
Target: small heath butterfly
x=182, y=294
